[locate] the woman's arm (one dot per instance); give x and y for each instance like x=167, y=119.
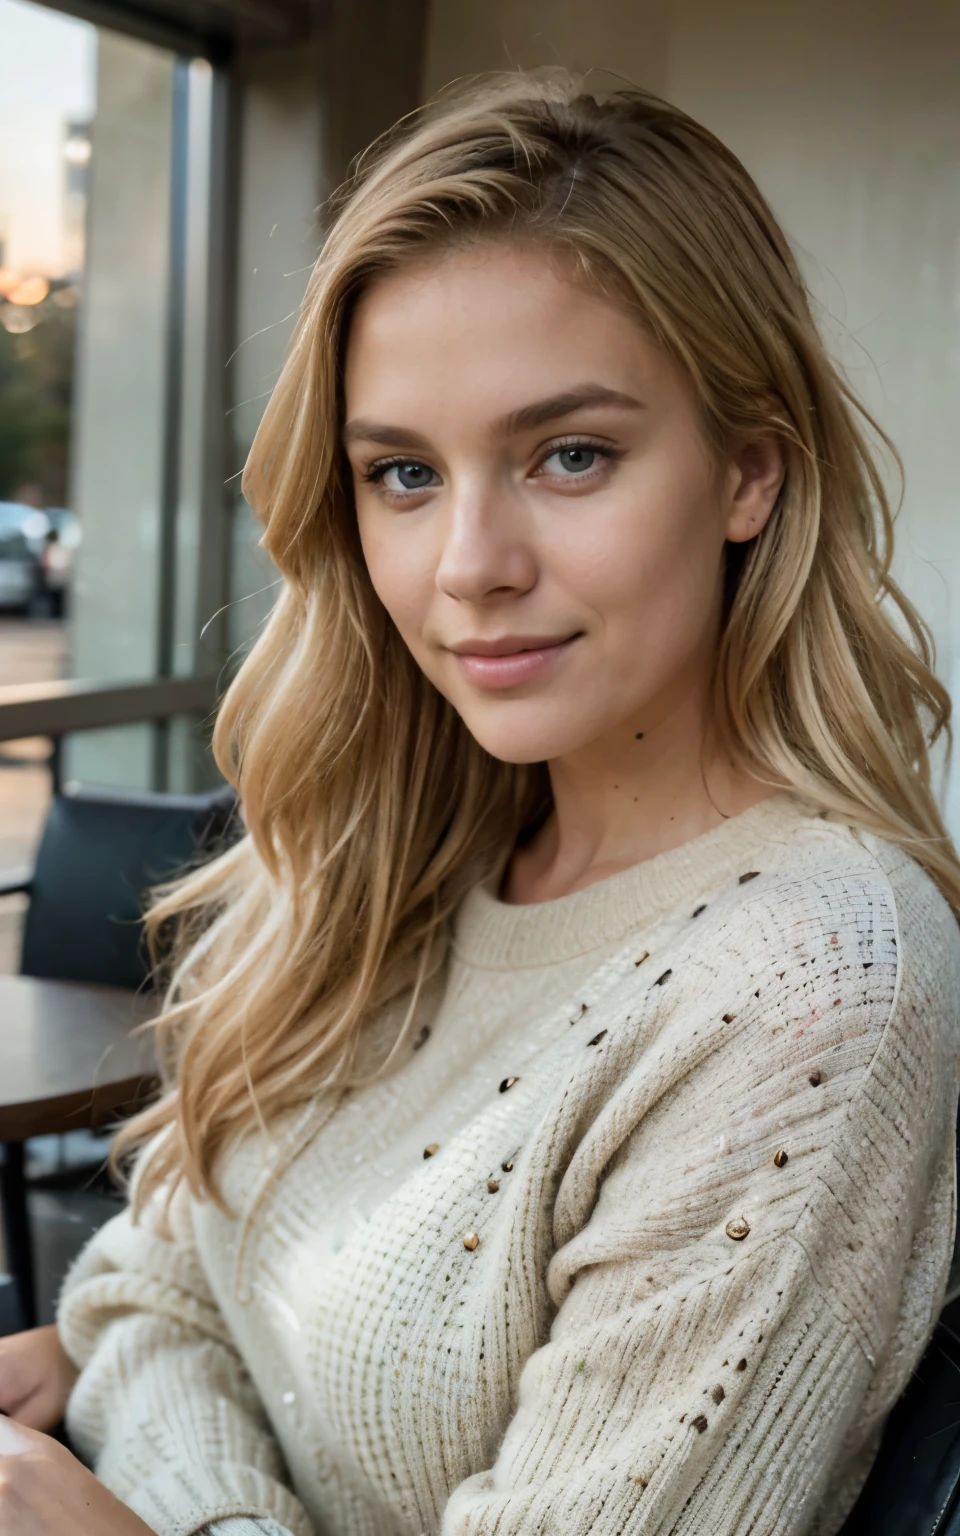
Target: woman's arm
x=36, y=1377
x=164, y=1408
x=729, y=1334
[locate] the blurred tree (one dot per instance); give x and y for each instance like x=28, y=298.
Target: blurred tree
x=36, y=386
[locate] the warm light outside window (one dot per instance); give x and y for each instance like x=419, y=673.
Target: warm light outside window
x=108, y=461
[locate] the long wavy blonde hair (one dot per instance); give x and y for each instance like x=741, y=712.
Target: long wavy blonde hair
x=369, y=809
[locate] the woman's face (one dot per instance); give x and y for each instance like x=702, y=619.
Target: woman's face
x=537, y=506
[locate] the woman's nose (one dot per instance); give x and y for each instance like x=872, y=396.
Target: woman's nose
x=487, y=549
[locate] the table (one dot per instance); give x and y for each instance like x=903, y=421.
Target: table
x=67, y=1061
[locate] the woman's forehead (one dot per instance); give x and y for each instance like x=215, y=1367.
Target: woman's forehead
x=496, y=333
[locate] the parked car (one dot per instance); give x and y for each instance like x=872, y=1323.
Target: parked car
x=26, y=530
x=18, y=517
x=19, y=583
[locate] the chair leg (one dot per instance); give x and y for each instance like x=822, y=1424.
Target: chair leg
x=16, y=1229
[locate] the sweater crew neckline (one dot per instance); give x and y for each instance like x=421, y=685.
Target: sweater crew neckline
x=496, y=934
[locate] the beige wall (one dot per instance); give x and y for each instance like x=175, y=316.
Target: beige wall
x=849, y=117
x=628, y=37
x=848, y=114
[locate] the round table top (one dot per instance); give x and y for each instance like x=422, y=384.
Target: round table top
x=67, y=1056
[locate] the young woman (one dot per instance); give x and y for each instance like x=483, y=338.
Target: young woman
x=563, y=1068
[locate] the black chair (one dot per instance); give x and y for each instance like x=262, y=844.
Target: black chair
x=99, y=854
x=914, y=1485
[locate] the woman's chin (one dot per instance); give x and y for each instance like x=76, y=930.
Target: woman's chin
x=516, y=739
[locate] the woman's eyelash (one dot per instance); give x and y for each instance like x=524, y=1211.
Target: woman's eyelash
x=602, y=450
x=376, y=471
x=578, y=442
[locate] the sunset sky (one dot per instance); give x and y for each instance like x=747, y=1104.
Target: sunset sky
x=47, y=75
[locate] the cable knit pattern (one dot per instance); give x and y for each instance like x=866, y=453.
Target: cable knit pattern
x=645, y=1234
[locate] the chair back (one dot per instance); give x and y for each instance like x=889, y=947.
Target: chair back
x=99, y=855
x=914, y=1484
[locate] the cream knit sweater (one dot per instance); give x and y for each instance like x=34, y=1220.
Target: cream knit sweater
x=682, y=1232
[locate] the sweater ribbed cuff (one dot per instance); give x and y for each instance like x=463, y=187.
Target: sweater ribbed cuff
x=186, y=1498
x=241, y=1526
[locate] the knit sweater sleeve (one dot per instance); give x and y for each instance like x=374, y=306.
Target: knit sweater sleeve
x=244, y=1527
x=164, y=1408
x=735, y=1226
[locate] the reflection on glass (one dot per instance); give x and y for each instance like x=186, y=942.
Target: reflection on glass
x=47, y=94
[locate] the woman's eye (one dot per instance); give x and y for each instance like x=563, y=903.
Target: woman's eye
x=408, y=476
x=575, y=460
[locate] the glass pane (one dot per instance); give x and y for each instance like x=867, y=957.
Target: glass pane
x=105, y=399
x=121, y=389
x=47, y=92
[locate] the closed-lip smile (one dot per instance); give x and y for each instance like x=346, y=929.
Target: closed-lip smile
x=508, y=661
x=508, y=645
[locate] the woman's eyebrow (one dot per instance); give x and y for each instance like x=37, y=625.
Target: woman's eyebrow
x=524, y=419
x=580, y=398
x=379, y=432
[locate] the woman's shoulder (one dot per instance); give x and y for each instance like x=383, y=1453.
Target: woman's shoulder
x=831, y=961
x=839, y=870
x=834, y=896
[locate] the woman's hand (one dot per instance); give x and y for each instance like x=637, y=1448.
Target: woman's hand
x=36, y=1376
x=45, y=1491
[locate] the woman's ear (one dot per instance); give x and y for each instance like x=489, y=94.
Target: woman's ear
x=756, y=473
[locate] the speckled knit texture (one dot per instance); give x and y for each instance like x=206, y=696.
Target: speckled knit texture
x=699, y=1116
x=241, y=1526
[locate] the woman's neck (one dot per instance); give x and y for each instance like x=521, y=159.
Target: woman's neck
x=616, y=809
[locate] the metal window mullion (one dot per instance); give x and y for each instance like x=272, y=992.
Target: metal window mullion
x=213, y=576
x=173, y=397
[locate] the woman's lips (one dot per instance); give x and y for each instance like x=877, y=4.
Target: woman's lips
x=514, y=667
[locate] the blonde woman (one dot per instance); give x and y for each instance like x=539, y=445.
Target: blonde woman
x=559, y=1132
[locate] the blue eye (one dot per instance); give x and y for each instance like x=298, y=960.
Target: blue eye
x=408, y=476
x=575, y=460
